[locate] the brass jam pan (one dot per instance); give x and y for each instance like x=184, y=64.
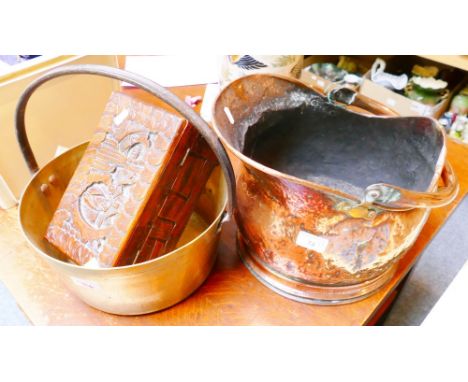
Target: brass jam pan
x=140, y=288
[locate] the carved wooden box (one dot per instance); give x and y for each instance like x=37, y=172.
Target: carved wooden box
x=134, y=189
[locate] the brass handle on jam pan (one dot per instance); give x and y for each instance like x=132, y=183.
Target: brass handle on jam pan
x=395, y=198
x=143, y=83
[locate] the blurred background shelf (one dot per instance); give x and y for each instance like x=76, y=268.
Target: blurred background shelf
x=460, y=62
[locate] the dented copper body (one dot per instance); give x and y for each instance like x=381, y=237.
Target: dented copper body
x=273, y=213
x=305, y=233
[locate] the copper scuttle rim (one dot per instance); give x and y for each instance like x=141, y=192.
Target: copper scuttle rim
x=373, y=110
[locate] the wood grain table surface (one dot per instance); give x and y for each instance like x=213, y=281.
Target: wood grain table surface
x=229, y=296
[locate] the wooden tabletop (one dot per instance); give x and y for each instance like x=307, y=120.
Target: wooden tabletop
x=230, y=295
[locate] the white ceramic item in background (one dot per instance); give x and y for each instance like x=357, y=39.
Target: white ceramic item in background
x=390, y=81
x=235, y=66
x=429, y=83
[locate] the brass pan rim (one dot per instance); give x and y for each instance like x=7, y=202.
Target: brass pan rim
x=141, y=267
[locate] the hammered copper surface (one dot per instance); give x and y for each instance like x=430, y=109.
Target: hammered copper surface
x=272, y=212
x=325, y=231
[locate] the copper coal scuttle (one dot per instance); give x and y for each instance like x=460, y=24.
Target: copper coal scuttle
x=329, y=196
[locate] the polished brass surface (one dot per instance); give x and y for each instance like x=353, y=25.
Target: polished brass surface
x=134, y=289
x=128, y=290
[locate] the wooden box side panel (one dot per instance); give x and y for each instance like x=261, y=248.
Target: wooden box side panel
x=171, y=204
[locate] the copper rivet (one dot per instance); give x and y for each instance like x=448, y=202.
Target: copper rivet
x=52, y=179
x=44, y=188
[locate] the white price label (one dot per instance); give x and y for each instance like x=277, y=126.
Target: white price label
x=310, y=241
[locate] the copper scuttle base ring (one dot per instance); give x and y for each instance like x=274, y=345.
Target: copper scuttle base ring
x=310, y=293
